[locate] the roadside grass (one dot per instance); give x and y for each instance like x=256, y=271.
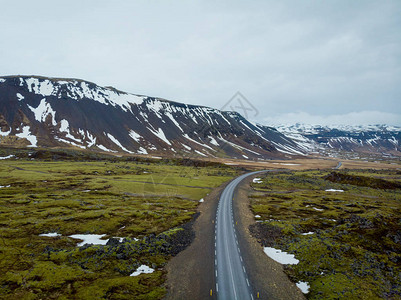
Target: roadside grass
x=141, y=201
x=348, y=243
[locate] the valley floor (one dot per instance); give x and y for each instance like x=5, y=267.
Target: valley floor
x=134, y=212
x=342, y=225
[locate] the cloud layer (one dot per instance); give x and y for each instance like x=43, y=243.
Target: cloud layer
x=323, y=58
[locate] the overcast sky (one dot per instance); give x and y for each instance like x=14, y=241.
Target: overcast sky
x=294, y=61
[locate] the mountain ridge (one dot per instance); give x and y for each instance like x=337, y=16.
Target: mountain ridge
x=42, y=111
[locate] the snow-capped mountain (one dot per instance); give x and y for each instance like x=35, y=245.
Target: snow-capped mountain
x=49, y=112
x=376, y=139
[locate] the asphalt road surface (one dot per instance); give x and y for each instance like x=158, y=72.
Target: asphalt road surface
x=231, y=279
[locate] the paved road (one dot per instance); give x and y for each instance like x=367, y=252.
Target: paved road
x=338, y=166
x=231, y=278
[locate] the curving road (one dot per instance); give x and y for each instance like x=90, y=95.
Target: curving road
x=231, y=278
x=338, y=165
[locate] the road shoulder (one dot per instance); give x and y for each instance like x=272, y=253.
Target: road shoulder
x=190, y=275
x=267, y=277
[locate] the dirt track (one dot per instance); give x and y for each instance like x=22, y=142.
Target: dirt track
x=191, y=272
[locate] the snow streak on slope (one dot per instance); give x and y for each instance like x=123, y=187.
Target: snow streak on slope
x=72, y=112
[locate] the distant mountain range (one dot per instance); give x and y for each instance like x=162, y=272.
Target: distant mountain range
x=360, y=140
x=50, y=112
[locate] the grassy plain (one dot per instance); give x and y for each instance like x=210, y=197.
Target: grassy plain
x=144, y=202
x=348, y=241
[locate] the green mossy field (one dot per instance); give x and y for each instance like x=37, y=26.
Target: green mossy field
x=348, y=243
x=146, y=202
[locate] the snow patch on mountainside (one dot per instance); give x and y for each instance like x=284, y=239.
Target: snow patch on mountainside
x=115, y=141
x=78, y=90
x=65, y=127
x=20, y=97
x=160, y=134
x=26, y=133
x=42, y=111
x=5, y=133
x=136, y=137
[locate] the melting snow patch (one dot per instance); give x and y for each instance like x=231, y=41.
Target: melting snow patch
x=50, y=234
x=6, y=157
x=20, y=97
x=26, y=133
x=281, y=256
x=115, y=141
x=160, y=135
x=5, y=133
x=142, y=150
x=318, y=209
x=303, y=286
x=200, y=153
x=307, y=233
x=42, y=111
x=142, y=269
x=213, y=141
x=257, y=180
x=257, y=216
x=201, y=200
x=4, y=186
x=135, y=136
x=333, y=190
x=101, y=147
x=94, y=239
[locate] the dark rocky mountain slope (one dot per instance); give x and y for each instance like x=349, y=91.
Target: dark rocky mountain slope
x=49, y=112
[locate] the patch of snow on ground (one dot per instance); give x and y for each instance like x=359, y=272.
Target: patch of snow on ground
x=307, y=233
x=281, y=256
x=26, y=133
x=257, y=180
x=333, y=190
x=142, y=269
x=4, y=186
x=257, y=216
x=303, y=286
x=245, y=156
x=6, y=157
x=318, y=209
x=94, y=239
x=50, y=234
x=201, y=200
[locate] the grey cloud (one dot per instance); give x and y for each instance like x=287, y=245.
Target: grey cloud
x=322, y=58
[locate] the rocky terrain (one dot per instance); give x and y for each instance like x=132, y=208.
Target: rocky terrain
x=50, y=112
